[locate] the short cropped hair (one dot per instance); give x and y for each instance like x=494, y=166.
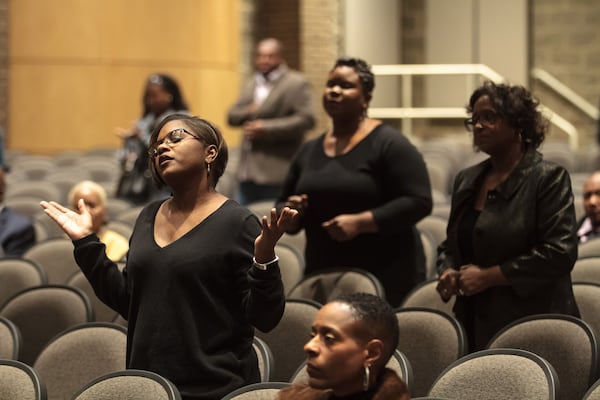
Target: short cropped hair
x=362, y=69
x=377, y=320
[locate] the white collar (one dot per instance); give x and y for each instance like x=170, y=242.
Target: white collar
x=272, y=76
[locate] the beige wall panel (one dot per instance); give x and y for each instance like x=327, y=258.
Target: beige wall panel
x=122, y=96
x=184, y=31
x=208, y=93
x=54, y=107
x=188, y=31
x=215, y=91
x=219, y=32
x=78, y=68
x=65, y=29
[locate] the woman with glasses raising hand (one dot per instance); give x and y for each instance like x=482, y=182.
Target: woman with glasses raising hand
x=191, y=291
x=511, y=240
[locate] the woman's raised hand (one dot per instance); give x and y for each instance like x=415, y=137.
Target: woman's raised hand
x=75, y=225
x=272, y=230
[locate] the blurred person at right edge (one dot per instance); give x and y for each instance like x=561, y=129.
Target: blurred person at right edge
x=589, y=227
x=360, y=188
x=275, y=112
x=511, y=241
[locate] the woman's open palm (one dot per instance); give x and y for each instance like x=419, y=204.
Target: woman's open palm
x=76, y=225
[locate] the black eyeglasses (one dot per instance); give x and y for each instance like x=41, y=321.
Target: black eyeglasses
x=172, y=138
x=485, y=118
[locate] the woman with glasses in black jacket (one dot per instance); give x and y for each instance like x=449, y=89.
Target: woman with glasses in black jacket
x=511, y=241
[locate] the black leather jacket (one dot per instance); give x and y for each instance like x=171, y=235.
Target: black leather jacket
x=528, y=227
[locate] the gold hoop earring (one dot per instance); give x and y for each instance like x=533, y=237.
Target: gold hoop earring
x=366, y=378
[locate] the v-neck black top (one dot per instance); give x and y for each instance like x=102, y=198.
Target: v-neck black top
x=191, y=305
x=383, y=173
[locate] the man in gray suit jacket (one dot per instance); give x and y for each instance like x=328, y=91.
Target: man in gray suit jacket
x=274, y=111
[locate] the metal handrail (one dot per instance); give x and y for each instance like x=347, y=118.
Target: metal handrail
x=438, y=69
x=566, y=92
x=407, y=113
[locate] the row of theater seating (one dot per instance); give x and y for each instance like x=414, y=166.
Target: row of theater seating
x=34, y=178
x=445, y=156
x=84, y=362
x=553, y=356
x=295, y=243
x=499, y=373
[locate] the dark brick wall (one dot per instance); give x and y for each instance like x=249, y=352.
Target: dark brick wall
x=280, y=19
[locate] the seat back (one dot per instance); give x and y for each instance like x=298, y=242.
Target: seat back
x=431, y=340
x=102, y=312
x=497, y=374
x=17, y=274
x=10, y=340
x=115, y=206
x=265, y=358
x=80, y=354
x=587, y=296
x=566, y=342
x=296, y=240
x=436, y=226
x=401, y=365
x=425, y=295
x=430, y=250
x=124, y=229
x=41, y=229
x=130, y=215
x=130, y=384
x=24, y=205
x=326, y=285
x=34, y=166
x=257, y=391
x=55, y=257
x=288, y=338
x=120, y=320
x=38, y=189
x=53, y=230
x=261, y=208
x=398, y=363
x=19, y=381
x=586, y=269
x=593, y=393
x=42, y=312
x=291, y=265
x=591, y=248
x=101, y=169
x=439, y=174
